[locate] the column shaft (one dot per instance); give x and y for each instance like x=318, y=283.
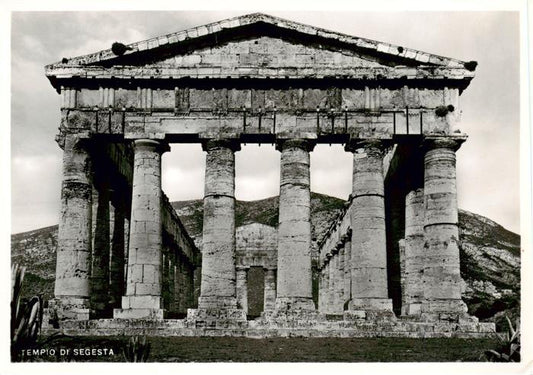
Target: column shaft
x=369, y=251
x=74, y=237
x=347, y=270
x=144, y=277
x=218, y=288
x=413, y=253
x=242, y=289
x=101, y=253
x=172, y=283
x=442, y=287
x=331, y=285
x=270, y=289
x=338, y=283
x=116, y=268
x=294, y=284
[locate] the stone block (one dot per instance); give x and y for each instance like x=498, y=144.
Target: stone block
x=369, y=304
x=138, y=313
x=140, y=301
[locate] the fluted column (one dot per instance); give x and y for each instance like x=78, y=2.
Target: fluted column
x=369, y=250
x=270, y=289
x=347, y=268
x=331, y=283
x=172, y=282
x=442, y=278
x=178, y=305
x=165, y=279
x=116, y=267
x=242, y=288
x=74, y=236
x=342, y=262
x=143, y=297
x=321, y=282
x=294, y=284
x=218, y=289
x=338, y=282
x=413, y=253
x=101, y=253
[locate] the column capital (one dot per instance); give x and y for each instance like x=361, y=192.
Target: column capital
x=159, y=146
x=452, y=142
x=212, y=144
x=372, y=146
x=304, y=144
x=242, y=268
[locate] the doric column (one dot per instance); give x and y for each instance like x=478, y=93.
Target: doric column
x=242, y=288
x=101, y=253
x=294, y=284
x=165, y=279
x=74, y=236
x=442, y=287
x=172, y=282
x=196, y=282
x=338, y=281
x=270, y=289
x=218, y=290
x=331, y=283
x=178, y=306
x=342, y=260
x=321, y=288
x=347, y=268
x=413, y=253
x=116, y=267
x=369, y=250
x=143, y=290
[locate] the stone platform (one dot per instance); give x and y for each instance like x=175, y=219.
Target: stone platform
x=321, y=326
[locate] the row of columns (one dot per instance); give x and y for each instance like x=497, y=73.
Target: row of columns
x=431, y=281
x=93, y=235
x=336, y=278
x=369, y=246
x=431, y=284
x=368, y=268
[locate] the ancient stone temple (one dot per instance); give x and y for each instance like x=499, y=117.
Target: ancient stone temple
x=389, y=264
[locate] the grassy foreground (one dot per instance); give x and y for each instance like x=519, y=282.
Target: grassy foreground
x=231, y=349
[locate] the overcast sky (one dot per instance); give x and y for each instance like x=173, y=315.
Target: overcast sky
x=488, y=163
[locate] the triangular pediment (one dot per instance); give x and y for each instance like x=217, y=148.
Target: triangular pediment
x=267, y=52
x=255, y=27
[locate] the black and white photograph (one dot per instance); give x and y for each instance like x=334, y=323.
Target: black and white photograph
x=255, y=185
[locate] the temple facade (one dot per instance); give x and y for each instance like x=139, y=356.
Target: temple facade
x=392, y=255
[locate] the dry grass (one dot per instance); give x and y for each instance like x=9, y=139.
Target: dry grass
x=230, y=349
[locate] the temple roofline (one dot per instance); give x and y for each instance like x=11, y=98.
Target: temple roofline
x=407, y=54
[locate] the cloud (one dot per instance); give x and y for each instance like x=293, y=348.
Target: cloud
x=488, y=162
x=35, y=194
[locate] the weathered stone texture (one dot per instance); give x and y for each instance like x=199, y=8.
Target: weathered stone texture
x=369, y=257
x=442, y=279
x=101, y=252
x=412, y=253
x=294, y=289
x=270, y=289
x=117, y=262
x=312, y=86
x=242, y=290
x=74, y=237
x=143, y=291
x=218, y=289
x=256, y=246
